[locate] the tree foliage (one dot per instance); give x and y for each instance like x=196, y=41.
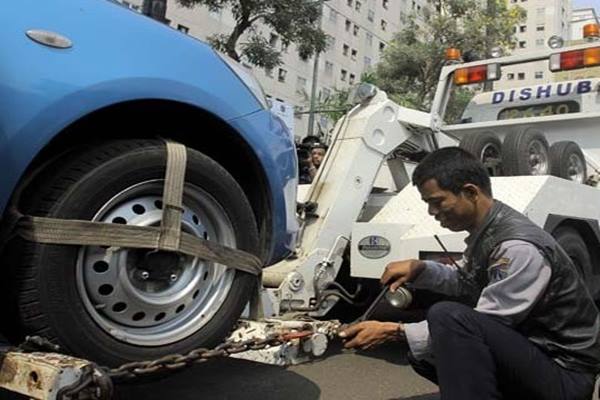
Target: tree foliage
x=294, y=21
x=412, y=62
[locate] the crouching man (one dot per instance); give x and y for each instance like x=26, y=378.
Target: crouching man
x=526, y=326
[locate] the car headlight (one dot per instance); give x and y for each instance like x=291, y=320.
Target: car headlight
x=248, y=79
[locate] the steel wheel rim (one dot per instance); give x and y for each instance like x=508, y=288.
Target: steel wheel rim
x=490, y=156
x=575, y=169
x=156, y=312
x=537, y=158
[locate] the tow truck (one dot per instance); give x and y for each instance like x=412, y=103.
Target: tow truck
x=347, y=220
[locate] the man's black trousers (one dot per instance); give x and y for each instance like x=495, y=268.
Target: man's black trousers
x=479, y=358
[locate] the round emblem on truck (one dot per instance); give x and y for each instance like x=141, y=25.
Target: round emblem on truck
x=374, y=247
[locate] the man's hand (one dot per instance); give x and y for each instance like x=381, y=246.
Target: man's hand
x=399, y=272
x=367, y=334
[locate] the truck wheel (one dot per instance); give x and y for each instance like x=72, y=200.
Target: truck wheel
x=526, y=153
x=105, y=305
x=568, y=161
x=487, y=147
x=574, y=245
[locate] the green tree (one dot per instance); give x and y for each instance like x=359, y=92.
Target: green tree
x=294, y=21
x=412, y=62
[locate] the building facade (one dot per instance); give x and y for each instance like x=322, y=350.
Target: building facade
x=544, y=18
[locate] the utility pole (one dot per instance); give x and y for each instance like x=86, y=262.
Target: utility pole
x=315, y=80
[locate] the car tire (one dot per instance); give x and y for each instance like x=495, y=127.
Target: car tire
x=487, y=147
x=56, y=288
x=526, y=152
x=568, y=161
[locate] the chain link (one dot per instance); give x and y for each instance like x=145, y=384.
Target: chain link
x=175, y=362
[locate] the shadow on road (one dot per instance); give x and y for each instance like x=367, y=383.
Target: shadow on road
x=225, y=379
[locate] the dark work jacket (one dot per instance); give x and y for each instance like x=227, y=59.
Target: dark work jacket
x=565, y=322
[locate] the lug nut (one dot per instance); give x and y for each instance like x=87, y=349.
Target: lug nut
x=144, y=275
x=173, y=277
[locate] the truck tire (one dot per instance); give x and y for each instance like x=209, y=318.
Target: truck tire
x=526, y=152
x=567, y=161
x=487, y=147
x=573, y=244
x=109, y=308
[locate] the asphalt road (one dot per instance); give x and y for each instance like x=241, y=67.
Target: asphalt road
x=379, y=374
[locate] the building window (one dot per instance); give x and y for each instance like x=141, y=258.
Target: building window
x=216, y=14
x=381, y=46
x=348, y=25
x=273, y=39
x=345, y=49
x=540, y=11
x=521, y=75
x=300, y=85
x=510, y=76
x=330, y=42
x=540, y=28
x=539, y=42
x=383, y=25
x=371, y=15
x=343, y=75
x=385, y=3
x=522, y=44
x=357, y=6
x=539, y=74
x=350, y=3
x=367, y=61
x=332, y=15
x=281, y=75
x=325, y=93
x=354, y=54
x=183, y=28
x=369, y=38
x=355, y=30
x=351, y=79
x=523, y=28
x=269, y=72
x=328, y=68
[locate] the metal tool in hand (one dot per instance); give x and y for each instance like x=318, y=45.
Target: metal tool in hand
x=400, y=298
x=367, y=314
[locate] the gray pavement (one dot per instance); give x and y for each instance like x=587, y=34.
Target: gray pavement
x=379, y=374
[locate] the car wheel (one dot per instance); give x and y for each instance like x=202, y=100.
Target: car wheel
x=568, y=161
x=105, y=304
x=526, y=152
x=487, y=147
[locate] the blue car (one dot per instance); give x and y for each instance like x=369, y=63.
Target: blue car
x=88, y=92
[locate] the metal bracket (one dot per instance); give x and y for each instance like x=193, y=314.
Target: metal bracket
x=44, y=376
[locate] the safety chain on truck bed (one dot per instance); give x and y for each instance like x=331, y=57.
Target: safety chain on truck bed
x=168, y=237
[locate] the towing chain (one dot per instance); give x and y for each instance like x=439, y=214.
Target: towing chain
x=175, y=362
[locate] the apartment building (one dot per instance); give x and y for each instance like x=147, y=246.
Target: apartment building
x=544, y=19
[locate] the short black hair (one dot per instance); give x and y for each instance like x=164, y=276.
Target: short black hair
x=319, y=145
x=452, y=168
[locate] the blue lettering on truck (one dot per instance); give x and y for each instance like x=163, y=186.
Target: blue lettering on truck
x=541, y=92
